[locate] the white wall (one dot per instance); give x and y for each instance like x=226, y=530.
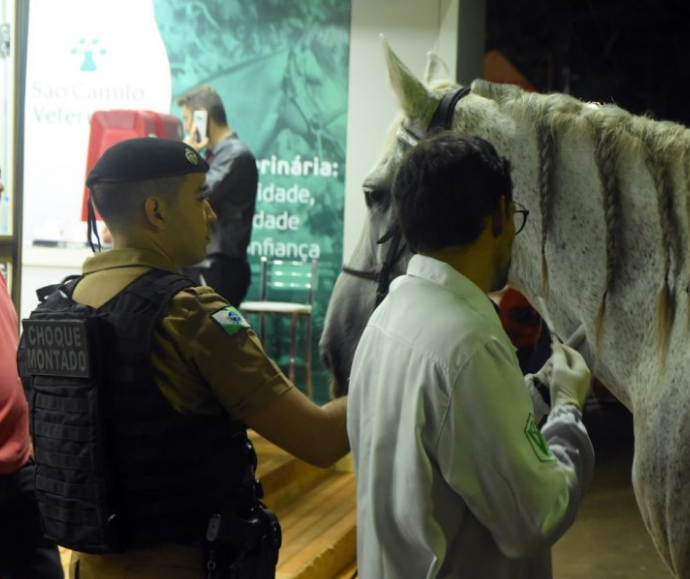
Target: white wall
x=412, y=28
x=106, y=55
x=6, y=117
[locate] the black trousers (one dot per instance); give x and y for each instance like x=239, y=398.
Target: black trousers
x=24, y=552
x=230, y=277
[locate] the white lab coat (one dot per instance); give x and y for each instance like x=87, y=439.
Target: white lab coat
x=454, y=480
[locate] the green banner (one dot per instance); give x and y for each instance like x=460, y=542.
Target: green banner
x=281, y=68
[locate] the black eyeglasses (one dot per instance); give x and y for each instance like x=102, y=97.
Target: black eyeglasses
x=519, y=216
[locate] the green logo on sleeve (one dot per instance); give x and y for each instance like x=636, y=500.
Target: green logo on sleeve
x=230, y=320
x=537, y=442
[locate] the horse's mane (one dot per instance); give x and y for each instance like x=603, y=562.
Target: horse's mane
x=614, y=133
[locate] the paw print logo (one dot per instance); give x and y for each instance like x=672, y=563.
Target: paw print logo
x=88, y=49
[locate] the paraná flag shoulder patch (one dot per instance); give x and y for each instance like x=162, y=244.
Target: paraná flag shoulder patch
x=536, y=440
x=230, y=320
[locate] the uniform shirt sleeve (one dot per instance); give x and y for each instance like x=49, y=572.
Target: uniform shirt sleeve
x=201, y=369
x=525, y=489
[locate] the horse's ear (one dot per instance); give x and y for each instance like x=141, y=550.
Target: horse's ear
x=436, y=69
x=412, y=95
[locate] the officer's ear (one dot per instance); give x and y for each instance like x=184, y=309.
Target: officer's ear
x=154, y=209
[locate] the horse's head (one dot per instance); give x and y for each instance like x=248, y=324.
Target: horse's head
x=522, y=127
x=380, y=254
x=565, y=157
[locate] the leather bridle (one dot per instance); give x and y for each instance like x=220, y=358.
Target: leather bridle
x=383, y=276
x=442, y=119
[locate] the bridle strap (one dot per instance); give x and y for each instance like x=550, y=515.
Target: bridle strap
x=393, y=255
x=441, y=119
x=443, y=115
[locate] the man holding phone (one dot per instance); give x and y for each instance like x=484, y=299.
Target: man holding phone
x=232, y=181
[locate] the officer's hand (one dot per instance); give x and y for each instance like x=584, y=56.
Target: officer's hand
x=570, y=377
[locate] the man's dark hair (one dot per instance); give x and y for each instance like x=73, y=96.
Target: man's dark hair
x=118, y=203
x=446, y=188
x=207, y=98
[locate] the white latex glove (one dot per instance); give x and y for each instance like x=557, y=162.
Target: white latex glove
x=570, y=378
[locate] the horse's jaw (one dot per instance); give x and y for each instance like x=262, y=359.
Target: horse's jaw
x=343, y=328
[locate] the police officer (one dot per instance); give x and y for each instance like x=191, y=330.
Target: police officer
x=140, y=423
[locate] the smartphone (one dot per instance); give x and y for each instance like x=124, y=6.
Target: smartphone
x=200, y=120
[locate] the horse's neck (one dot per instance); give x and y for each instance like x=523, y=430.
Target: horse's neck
x=575, y=247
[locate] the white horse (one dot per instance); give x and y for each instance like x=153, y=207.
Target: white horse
x=606, y=245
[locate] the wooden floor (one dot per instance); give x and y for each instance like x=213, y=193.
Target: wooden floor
x=317, y=511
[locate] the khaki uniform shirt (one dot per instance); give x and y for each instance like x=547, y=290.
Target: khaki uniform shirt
x=200, y=369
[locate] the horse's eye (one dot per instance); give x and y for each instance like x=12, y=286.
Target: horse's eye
x=373, y=196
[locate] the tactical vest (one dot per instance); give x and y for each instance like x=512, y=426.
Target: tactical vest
x=116, y=466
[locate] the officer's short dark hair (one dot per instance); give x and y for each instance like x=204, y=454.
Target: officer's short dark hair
x=119, y=203
x=446, y=188
x=205, y=97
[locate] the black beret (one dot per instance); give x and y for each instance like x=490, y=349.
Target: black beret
x=143, y=159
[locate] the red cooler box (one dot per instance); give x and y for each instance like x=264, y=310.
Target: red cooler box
x=110, y=127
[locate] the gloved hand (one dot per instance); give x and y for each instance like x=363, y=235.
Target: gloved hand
x=570, y=378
